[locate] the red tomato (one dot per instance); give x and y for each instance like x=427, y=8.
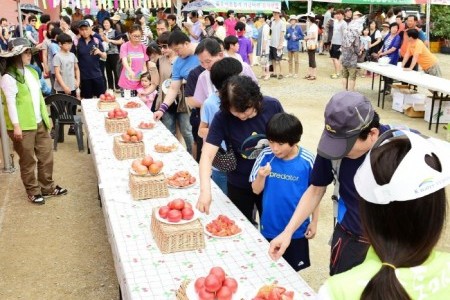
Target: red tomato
x=125, y=113
x=119, y=115
x=117, y=109
x=111, y=114
x=231, y=283
x=212, y=283
x=163, y=210
x=187, y=213
x=203, y=294
x=125, y=137
x=289, y=295
x=139, y=135
x=224, y=293
x=131, y=131
x=218, y=272
x=187, y=204
x=199, y=284
x=174, y=216
x=177, y=203
x=153, y=169
x=141, y=170
x=134, y=139
x=274, y=295
x=159, y=163
x=102, y=97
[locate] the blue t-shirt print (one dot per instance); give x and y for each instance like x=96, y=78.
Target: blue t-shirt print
x=283, y=189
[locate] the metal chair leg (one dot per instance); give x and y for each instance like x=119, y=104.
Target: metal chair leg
x=56, y=137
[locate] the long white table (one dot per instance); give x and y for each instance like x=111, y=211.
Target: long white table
x=439, y=86
x=142, y=270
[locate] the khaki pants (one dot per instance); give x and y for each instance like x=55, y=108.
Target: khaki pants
x=293, y=59
x=36, y=146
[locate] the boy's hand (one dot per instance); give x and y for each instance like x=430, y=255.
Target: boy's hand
x=279, y=245
x=265, y=171
x=67, y=91
x=311, y=230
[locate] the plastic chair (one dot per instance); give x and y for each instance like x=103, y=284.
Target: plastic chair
x=64, y=107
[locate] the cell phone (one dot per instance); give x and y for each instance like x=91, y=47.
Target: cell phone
x=92, y=52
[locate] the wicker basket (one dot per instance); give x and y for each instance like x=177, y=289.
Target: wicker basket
x=148, y=187
x=181, y=292
x=107, y=106
x=127, y=150
x=117, y=125
x=177, y=237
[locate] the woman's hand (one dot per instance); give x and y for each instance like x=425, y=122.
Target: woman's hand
x=18, y=133
x=204, y=202
x=157, y=115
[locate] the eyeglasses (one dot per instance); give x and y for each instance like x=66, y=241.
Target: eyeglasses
x=163, y=46
x=33, y=21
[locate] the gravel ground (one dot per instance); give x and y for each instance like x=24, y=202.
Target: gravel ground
x=61, y=250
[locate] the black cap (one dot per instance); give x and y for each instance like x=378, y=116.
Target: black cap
x=348, y=9
x=83, y=23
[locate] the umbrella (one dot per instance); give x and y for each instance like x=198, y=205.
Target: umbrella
x=199, y=5
x=30, y=8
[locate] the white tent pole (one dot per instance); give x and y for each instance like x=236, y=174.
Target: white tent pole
x=20, y=18
x=309, y=6
x=7, y=161
x=179, y=19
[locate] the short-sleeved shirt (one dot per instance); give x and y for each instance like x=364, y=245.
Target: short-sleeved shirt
x=278, y=29
x=197, y=30
x=425, y=58
x=245, y=48
x=209, y=109
x=183, y=66
x=229, y=26
x=348, y=208
x=136, y=57
x=247, y=138
x=41, y=30
x=52, y=50
x=66, y=63
x=112, y=48
x=192, y=79
x=88, y=64
x=205, y=87
x=338, y=32
x=283, y=188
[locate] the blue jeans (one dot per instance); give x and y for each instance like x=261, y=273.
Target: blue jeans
x=169, y=120
x=220, y=178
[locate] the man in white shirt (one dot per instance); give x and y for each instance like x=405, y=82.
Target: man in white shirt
x=278, y=29
x=338, y=31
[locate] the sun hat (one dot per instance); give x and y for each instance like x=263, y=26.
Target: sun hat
x=276, y=10
x=311, y=14
x=116, y=17
x=348, y=9
x=357, y=13
x=16, y=47
x=84, y=23
x=413, y=178
x=219, y=19
x=385, y=25
x=293, y=17
x=346, y=115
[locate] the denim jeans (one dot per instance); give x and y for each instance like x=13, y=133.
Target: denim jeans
x=220, y=178
x=169, y=120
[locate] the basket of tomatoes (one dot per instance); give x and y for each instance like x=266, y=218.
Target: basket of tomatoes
x=177, y=229
x=129, y=145
x=117, y=121
x=107, y=101
x=147, y=181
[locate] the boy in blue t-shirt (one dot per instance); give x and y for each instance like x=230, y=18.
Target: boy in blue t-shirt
x=282, y=173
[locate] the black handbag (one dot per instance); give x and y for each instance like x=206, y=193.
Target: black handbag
x=225, y=160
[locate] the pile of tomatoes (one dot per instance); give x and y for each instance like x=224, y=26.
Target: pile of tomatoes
x=107, y=97
x=223, y=226
x=216, y=285
x=176, y=210
x=147, y=165
x=181, y=179
x=132, y=136
x=274, y=292
x=132, y=104
x=117, y=113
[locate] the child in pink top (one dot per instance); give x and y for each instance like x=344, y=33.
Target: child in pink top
x=144, y=91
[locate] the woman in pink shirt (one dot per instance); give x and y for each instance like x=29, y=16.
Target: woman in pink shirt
x=134, y=56
x=230, y=23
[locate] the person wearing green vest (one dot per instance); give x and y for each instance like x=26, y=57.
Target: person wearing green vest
x=27, y=121
x=403, y=206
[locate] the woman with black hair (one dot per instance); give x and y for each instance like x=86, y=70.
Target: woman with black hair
x=112, y=54
x=241, y=123
x=403, y=208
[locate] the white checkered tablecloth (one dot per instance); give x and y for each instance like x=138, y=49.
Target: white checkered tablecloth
x=143, y=271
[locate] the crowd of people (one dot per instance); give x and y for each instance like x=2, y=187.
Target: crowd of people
x=197, y=74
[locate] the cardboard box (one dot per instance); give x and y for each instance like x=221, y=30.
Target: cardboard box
x=416, y=110
x=402, y=95
x=445, y=111
x=398, y=99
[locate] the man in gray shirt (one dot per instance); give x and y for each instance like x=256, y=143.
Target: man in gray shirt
x=278, y=29
x=338, y=31
x=326, y=18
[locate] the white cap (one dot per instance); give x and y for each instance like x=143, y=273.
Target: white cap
x=293, y=17
x=413, y=178
x=311, y=14
x=219, y=19
x=276, y=10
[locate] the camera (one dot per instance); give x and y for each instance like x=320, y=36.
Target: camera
x=92, y=52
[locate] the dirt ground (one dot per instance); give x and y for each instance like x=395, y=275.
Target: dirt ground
x=61, y=251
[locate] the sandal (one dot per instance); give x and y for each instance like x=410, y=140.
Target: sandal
x=267, y=77
x=36, y=199
x=58, y=191
x=307, y=76
x=312, y=78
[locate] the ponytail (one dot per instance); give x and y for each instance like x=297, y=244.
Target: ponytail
x=385, y=285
